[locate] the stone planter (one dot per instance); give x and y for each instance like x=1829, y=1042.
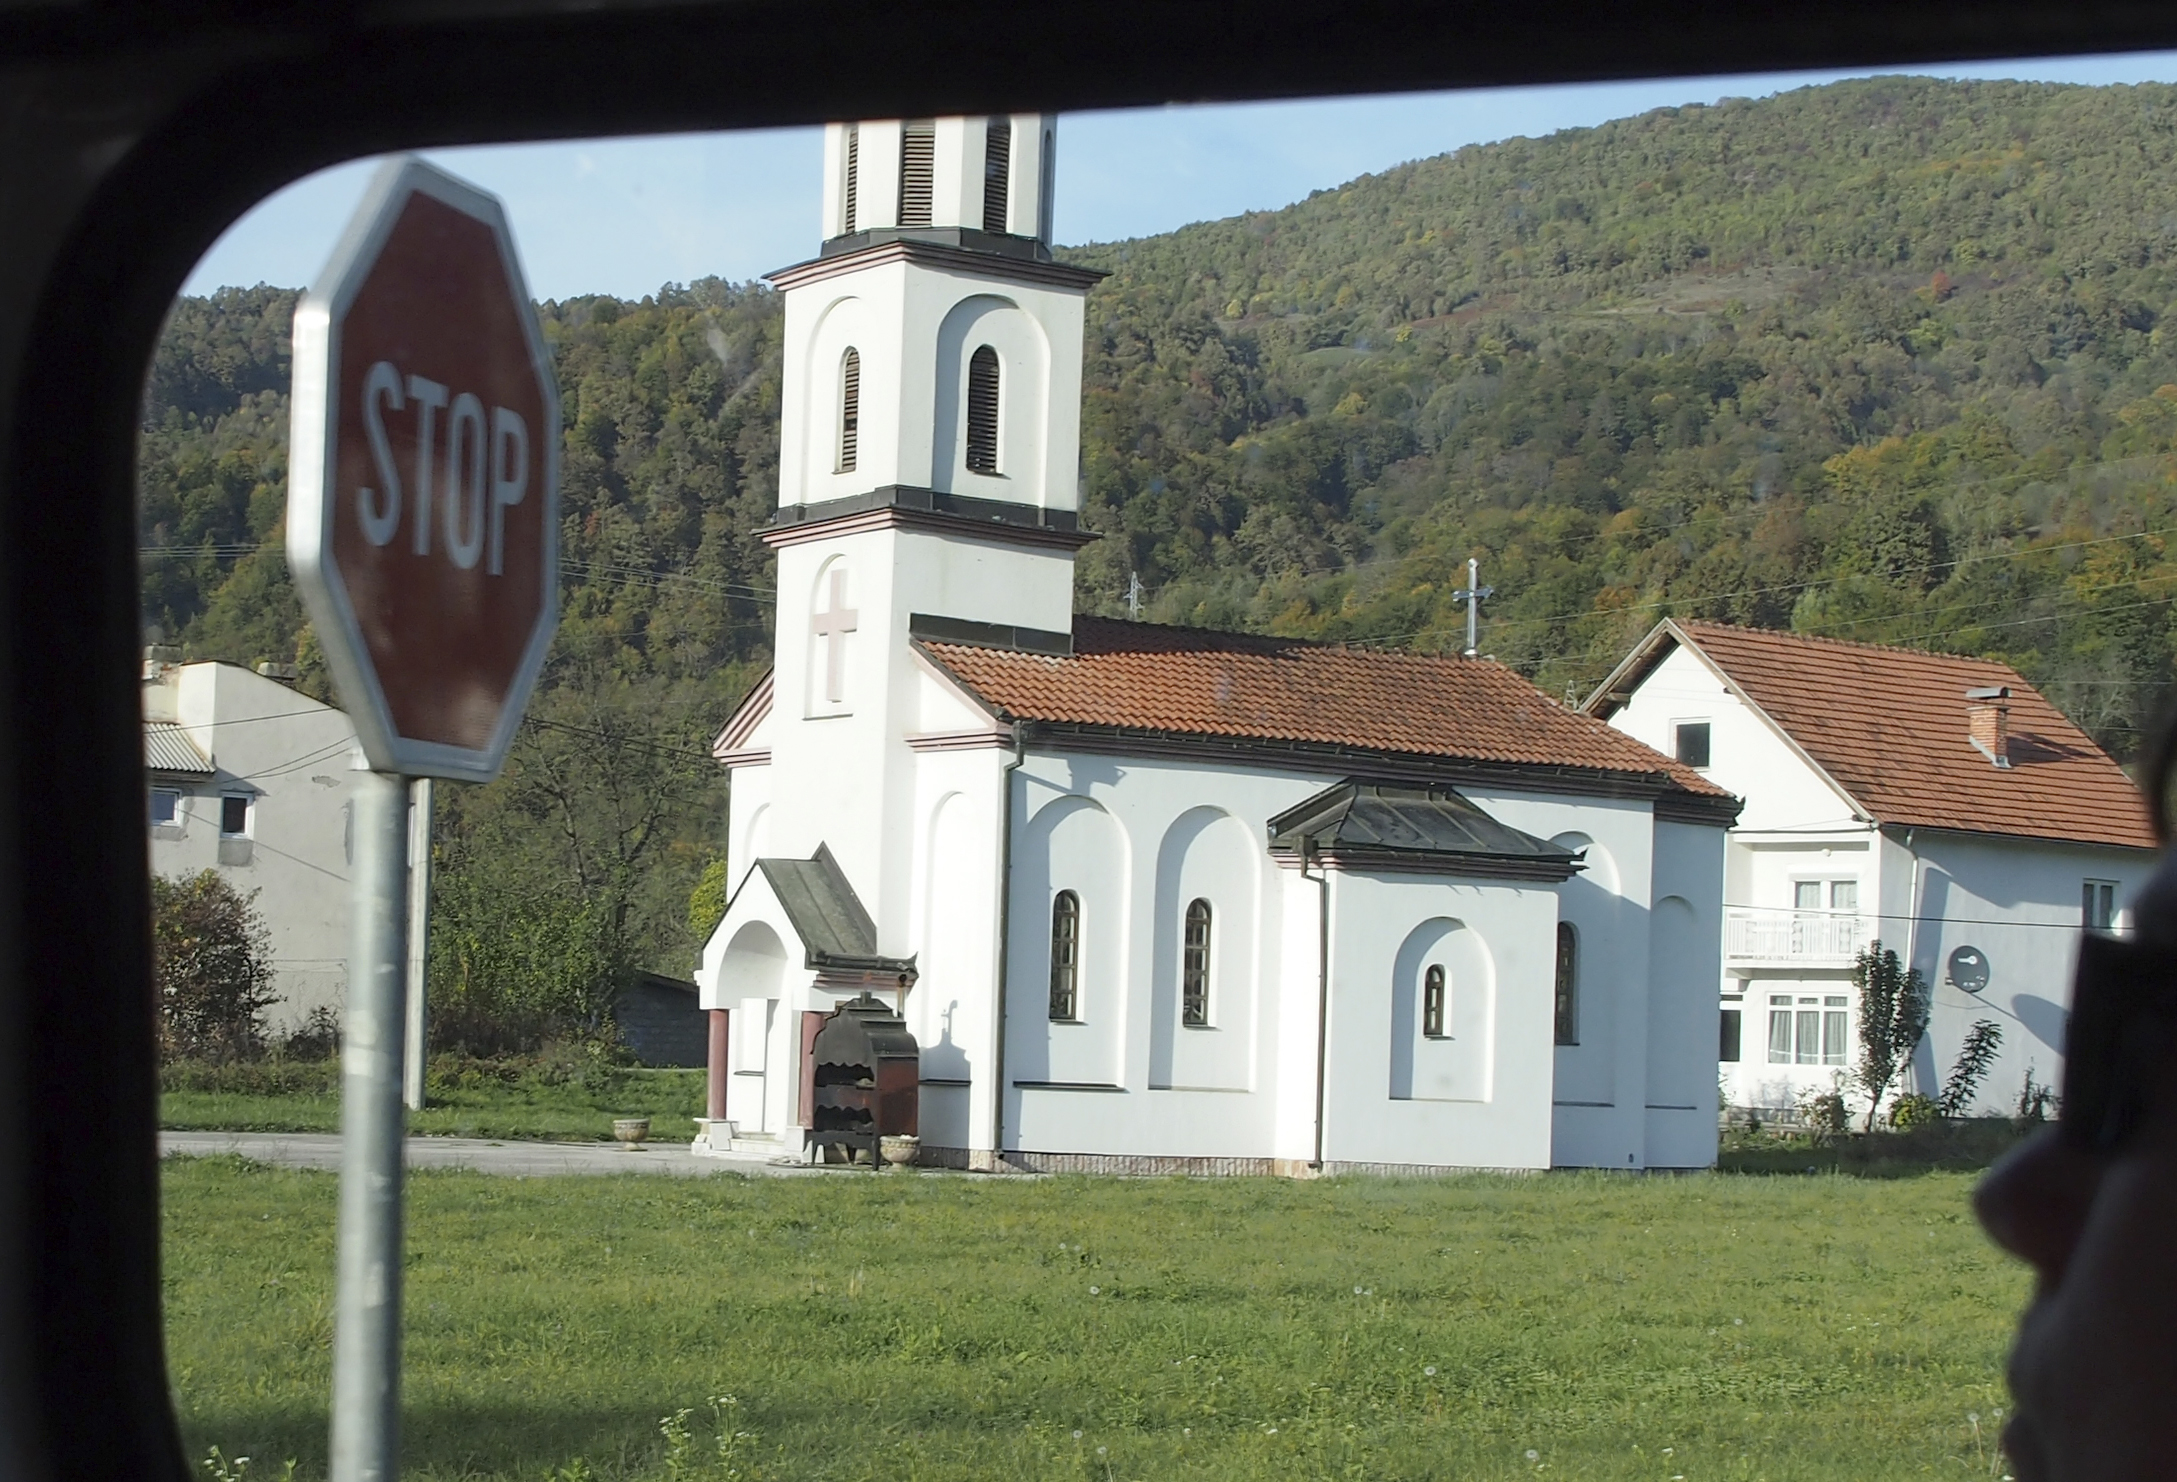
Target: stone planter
x=899, y=1152
x=631, y=1130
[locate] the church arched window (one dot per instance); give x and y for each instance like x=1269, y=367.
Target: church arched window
x=1194, y=968
x=983, y=411
x=854, y=176
x=918, y=172
x=1432, y=1001
x=997, y=172
x=850, y=409
x=1568, y=984
x=1066, y=957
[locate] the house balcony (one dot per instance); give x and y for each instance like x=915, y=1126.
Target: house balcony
x=1780, y=938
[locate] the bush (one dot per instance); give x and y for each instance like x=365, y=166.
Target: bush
x=212, y=965
x=1916, y=1110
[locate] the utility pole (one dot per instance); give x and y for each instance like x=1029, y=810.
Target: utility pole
x=1133, y=595
x=1471, y=594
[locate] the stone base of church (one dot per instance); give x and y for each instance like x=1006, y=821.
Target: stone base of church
x=1129, y=1165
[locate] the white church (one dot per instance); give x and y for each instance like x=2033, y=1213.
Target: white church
x=1152, y=899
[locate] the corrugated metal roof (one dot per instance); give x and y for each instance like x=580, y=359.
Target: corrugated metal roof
x=827, y=915
x=167, y=748
x=1416, y=827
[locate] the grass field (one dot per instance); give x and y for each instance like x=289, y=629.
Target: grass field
x=464, y=1099
x=929, y=1327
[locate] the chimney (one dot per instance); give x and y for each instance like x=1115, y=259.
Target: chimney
x=1988, y=722
x=286, y=674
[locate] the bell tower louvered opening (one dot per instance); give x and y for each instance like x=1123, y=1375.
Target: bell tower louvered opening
x=918, y=172
x=854, y=176
x=850, y=409
x=983, y=411
x=997, y=173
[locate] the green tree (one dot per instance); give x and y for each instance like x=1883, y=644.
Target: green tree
x=212, y=966
x=1893, y=1014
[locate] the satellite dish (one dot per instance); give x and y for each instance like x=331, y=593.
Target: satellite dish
x=1969, y=969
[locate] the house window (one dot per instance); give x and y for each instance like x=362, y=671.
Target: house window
x=983, y=410
x=165, y=807
x=1568, y=984
x=918, y=172
x=1807, y=1029
x=2098, y=905
x=1690, y=740
x=1727, y=1050
x=1806, y=895
x=1432, y=1002
x=850, y=410
x=854, y=175
x=997, y=173
x=1066, y=957
x=1844, y=895
x=1194, y=968
x=234, y=815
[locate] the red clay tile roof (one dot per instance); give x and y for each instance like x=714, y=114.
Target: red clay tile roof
x=1889, y=724
x=1139, y=676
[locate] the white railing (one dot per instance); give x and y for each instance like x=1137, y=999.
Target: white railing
x=1809, y=937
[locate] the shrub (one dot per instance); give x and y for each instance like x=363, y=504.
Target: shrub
x=1976, y=1057
x=1916, y=1110
x=1893, y=1016
x=212, y=966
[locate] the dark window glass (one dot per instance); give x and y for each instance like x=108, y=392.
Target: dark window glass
x=234, y=815
x=1728, y=1050
x=854, y=173
x=1194, y=968
x=1432, y=1002
x=1693, y=743
x=1066, y=956
x=850, y=410
x=983, y=410
x=918, y=172
x=997, y=173
x=165, y=806
x=2098, y=908
x=1568, y=984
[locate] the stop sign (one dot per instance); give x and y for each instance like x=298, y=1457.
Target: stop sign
x=423, y=486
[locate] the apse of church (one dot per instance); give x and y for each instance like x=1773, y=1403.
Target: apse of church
x=1146, y=898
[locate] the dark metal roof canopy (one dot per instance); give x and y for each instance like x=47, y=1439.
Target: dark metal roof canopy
x=835, y=930
x=1377, y=826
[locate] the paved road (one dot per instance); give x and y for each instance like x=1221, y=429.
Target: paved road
x=518, y=1159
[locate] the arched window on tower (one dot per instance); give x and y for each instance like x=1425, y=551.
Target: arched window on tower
x=983, y=411
x=1194, y=968
x=997, y=172
x=850, y=409
x=1050, y=169
x=918, y=172
x=1066, y=957
x=1432, y=1001
x=854, y=176
x=1568, y=984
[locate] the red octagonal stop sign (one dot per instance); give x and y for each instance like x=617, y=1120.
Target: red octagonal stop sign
x=423, y=486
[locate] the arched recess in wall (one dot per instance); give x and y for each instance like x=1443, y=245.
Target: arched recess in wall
x=755, y=842
x=1590, y=903
x=954, y=875
x=1024, y=379
x=833, y=617
x=1459, y=1064
x=1207, y=855
x=754, y=964
x=1072, y=844
x=1682, y=982
x=842, y=325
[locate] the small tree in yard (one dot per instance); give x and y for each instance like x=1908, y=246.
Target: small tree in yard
x=212, y=965
x=1976, y=1057
x=1893, y=1016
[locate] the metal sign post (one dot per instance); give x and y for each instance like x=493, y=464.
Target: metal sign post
x=419, y=941
x=422, y=529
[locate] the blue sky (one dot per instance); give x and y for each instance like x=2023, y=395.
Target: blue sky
x=623, y=216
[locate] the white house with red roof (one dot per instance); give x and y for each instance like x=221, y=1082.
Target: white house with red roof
x=1152, y=898
x=1939, y=804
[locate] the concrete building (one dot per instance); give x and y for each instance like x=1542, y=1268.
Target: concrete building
x=249, y=777
x=1936, y=803
x=1153, y=898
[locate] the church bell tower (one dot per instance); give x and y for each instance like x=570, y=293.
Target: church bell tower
x=928, y=464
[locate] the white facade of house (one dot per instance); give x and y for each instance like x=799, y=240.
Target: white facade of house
x=251, y=778
x=954, y=836
x=1811, y=878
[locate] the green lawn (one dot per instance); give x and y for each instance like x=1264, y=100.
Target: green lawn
x=903, y=1326
x=461, y=1102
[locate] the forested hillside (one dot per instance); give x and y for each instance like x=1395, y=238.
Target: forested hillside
x=1893, y=360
